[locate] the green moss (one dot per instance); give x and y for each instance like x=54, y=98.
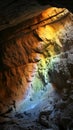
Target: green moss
x=37, y=84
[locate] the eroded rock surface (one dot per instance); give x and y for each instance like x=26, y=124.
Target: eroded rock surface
x=33, y=56
x=25, y=56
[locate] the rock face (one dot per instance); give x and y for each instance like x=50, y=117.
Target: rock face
x=25, y=51
x=36, y=53
x=13, y=12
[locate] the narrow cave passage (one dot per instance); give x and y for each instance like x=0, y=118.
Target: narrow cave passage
x=36, y=72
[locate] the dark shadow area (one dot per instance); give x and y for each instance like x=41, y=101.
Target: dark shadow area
x=58, y=3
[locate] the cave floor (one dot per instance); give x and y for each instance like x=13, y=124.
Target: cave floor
x=43, y=116
x=29, y=119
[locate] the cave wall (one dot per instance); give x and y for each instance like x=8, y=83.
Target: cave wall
x=26, y=50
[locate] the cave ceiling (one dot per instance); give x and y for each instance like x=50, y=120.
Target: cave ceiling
x=13, y=12
x=58, y=3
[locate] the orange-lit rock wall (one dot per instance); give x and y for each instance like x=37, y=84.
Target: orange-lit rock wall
x=25, y=52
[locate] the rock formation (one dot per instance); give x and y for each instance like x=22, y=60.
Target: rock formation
x=25, y=49
x=35, y=49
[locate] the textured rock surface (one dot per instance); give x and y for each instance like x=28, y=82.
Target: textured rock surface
x=25, y=56
x=13, y=12
x=29, y=59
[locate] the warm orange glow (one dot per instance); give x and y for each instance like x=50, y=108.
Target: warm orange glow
x=51, y=12
x=47, y=34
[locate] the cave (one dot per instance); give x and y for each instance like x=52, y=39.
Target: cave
x=36, y=65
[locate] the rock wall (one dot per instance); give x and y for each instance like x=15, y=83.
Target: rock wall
x=26, y=51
